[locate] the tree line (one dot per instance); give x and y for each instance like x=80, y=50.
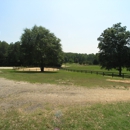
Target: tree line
x=12, y=55
x=84, y=59
x=39, y=47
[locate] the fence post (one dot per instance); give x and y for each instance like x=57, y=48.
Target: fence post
x=91, y=72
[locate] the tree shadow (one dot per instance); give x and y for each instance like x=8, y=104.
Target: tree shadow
x=34, y=72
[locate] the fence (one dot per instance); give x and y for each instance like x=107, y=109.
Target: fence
x=113, y=74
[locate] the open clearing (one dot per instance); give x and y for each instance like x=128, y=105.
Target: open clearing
x=29, y=97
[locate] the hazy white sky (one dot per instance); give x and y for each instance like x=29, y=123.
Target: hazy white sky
x=78, y=23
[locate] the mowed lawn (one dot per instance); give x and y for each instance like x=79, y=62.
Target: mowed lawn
x=93, y=68
x=98, y=116
x=63, y=77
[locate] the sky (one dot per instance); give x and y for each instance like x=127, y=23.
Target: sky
x=78, y=23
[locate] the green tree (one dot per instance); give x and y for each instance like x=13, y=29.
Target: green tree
x=80, y=58
x=14, y=54
x=95, y=61
x=114, y=48
x=90, y=58
x=3, y=53
x=41, y=47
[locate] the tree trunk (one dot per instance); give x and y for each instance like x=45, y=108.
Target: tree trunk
x=42, y=68
x=42, y=65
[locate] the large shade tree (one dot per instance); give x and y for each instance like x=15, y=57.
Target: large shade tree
x=41, y=47
x=114, y=49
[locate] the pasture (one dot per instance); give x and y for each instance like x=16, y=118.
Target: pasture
x=63, y=100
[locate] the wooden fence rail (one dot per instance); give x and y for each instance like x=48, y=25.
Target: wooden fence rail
x=113, y=74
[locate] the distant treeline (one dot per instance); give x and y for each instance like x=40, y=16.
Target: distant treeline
x=11, y=55
x=81, y=58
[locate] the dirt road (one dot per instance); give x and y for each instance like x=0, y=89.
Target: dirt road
x=29, y=97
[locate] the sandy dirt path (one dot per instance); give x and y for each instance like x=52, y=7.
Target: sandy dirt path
x=29, y=97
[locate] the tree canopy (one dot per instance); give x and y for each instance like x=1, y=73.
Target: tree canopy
x=114, y=48
x=41, y=47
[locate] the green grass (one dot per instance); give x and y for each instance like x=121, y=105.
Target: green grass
x=114, y=116
x=63, y=78
x=92, y=68
x=111, y=116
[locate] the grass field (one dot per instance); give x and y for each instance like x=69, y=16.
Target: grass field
x=63, y=78
x=97, y=116
x=93, y=68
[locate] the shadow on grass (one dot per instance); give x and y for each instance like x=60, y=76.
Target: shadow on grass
x=35, y=72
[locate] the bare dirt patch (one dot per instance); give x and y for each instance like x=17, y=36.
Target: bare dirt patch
x=28, y=97
x=6, y=67
x=37, y=69
x=122, y=81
